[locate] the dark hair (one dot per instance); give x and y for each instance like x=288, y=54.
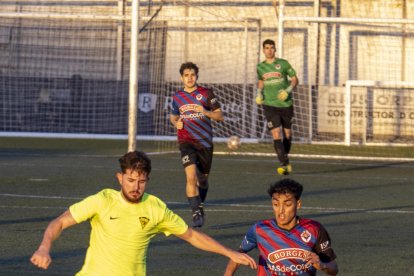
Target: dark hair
x=286, y=186
x=188, y=65
x=270, y=42
x=136, y=161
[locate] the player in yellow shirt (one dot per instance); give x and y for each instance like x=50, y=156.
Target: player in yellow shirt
x=123, y=223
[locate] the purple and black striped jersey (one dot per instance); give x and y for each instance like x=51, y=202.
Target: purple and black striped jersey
x=283, y=252
x=197, y=128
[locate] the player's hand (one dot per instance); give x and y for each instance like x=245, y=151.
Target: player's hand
x=199, y=108
x=282, y=95
x=41, y=259
x=313, y=259
x=244, y=259
x=259, y=97
x=180, y=124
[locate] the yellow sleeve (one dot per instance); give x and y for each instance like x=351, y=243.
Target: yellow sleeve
x=87, y=208
x=172, y=224
x=168, y=222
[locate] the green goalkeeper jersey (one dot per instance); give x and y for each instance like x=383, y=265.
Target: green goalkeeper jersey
x=275, y=78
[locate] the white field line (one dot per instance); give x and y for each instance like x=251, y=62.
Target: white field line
x=248, y=208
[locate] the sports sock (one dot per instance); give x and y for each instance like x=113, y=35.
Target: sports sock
x=287, y=144
x=280, y=151
x=202, y=187
x=203, y=193
x=195, y=203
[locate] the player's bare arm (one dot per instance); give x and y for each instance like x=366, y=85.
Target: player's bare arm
x=231, y=268
x=176, y=121
x=41, y=257
x=294, y=81
x=216, y=115
x=259, y=93
x=330, y=268
x=260, y=84
x=207, y=243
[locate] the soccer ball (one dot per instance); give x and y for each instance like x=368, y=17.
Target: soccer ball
x=233, y=142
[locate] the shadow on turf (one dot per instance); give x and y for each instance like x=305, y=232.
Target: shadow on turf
x=28, y=220
x=55, y=255
x=356, y=188
x=359, y=168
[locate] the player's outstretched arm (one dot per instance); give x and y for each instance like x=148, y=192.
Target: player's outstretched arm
x=207, y=243
x=231, y=268
x=41, y=257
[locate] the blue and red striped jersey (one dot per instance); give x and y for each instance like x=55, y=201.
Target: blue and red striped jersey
x=197, y=127
x=283, y=252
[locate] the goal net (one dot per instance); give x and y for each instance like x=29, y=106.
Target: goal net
x=64, y=71
x=359, y=85
x=62, y=74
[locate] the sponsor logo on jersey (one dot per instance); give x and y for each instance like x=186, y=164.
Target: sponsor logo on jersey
x=293, y=269
x=194, y=108
x=144, y=221
x=188, y=107
x=273, y=82
x=192, y=116
x=324, y=245
x=271, y=75
x=289, y=253
x=306, y=236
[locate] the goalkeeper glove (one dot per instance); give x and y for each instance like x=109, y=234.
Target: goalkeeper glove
x=259, y=96
x=284, y=93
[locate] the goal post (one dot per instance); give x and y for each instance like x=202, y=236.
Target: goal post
x=69, y=73
x=341, y=54
x=226, y=51
x=389, y=101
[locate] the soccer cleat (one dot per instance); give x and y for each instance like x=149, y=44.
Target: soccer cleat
x=284, y=170
x=289, y=168
x=198, y=218
x=201, y=206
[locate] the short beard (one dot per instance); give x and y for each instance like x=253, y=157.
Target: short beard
x=125, y=196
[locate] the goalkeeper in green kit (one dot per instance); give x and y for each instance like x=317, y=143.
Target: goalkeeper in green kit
x=277, y=79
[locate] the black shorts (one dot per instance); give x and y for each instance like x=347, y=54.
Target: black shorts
x=278, y=116
x=202, y=158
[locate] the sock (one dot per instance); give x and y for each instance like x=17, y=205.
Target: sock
x=287, y=143
x=280, y=151
x=202, y=185
x=195, y=203
x=203, y=193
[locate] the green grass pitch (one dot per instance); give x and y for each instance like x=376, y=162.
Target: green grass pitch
x=367, y=207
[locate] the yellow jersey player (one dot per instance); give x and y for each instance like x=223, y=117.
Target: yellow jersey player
x=123, y=223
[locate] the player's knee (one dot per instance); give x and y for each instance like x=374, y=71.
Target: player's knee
x=203, y=183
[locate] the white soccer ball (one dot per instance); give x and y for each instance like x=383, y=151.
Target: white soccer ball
x=233, y=142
